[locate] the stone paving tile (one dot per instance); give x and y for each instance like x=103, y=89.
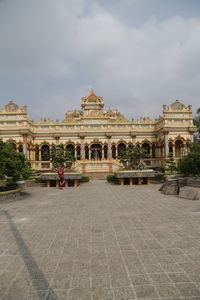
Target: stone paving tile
x=99, y=242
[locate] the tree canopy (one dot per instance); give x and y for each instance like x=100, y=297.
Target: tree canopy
x=61, y=157
x=197, y=120
x=133, y=156
x=13, y=164
x=190, y=164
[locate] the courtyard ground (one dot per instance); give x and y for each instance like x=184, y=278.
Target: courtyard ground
x=100, y=242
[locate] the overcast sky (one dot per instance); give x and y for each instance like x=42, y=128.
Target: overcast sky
x=136, y=54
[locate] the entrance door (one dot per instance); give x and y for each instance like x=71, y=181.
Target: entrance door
x=96, y=151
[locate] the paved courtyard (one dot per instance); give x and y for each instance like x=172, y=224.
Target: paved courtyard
x=100, y=242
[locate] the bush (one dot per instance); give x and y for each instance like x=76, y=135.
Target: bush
x=85, y=179
x=9, y=187
x=190, y=164
x=111, y=178
x=159, y=176
x=39, y=179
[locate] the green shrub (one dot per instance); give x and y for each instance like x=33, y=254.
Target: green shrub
x=111, y=178
x=39, y=179
x=9, y=187
x=189, y=165
x=159, y=176
x=85, y=179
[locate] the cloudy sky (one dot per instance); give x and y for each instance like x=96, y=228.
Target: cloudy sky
x=136, y=54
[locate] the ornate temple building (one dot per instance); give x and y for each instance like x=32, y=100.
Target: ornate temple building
x=96, y=136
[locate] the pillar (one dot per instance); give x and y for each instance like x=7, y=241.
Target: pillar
x=102, y=152
x=40, y=155
x=25, y=138
x=139, y=180
x=121, y=181
x=130, y=181
x=166, y=145
x=48, y=183
x=82, y=148
x=173, y=150
x=75, y=182
x=109, y=148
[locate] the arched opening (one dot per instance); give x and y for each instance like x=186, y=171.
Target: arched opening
x=178, y=148
x=113, y=148
x=86, y=152
x=45, y=153
x=121, y=149
x=153, y=150
x=78, y=152
x=37, y=156
x=170, y=148
x=20, y=148
x=14, y=146
x=105, y=149
x=71, y=148
x=146, y=147
x=96, y=151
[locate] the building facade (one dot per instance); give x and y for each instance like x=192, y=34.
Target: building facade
x=97, y=136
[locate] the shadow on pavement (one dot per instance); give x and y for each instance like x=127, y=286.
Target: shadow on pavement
x=41, y=283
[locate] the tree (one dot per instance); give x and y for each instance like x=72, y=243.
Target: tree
x=171, y=163
x=13, y=164
x=61, y=157
x=190, y=164
x=197, y=120
x=133, y=157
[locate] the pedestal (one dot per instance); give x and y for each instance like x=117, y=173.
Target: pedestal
x=130, y=181
x=75, y=182
x=121, y=181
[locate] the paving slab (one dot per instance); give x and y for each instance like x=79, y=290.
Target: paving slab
x=99, y=242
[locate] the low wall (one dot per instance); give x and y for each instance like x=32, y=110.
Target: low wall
x=10, y=195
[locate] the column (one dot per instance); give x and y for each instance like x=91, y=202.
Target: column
x=173, y=150
x=102, y=152
x=75, y=182
x=40, y=154
x=82, y=148
x=75, y=153
x=109, y=148
x=57, y=138
x=89, y=150
x=121, y=181
x=166, y=145
x=25, y=137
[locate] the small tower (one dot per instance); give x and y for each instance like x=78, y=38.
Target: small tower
x=92, y=102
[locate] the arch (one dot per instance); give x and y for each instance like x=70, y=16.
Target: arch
x=71, y=148
x=78, y=152
x=153, y=150
x=146, y=146
x=170, y=148
x=113, y=149
x=45, y=151
x=14, y=146
x=105, y=150
x=20, y=148
x=86, y=152
x=37, y=155
x=178, y=148
x=121, y=149
x=96, y=151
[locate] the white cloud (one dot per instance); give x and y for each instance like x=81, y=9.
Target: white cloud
x=135, y=69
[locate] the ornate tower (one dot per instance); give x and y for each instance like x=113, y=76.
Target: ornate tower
x=92, y=102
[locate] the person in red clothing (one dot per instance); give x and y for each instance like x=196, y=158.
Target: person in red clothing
x=61, y=174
